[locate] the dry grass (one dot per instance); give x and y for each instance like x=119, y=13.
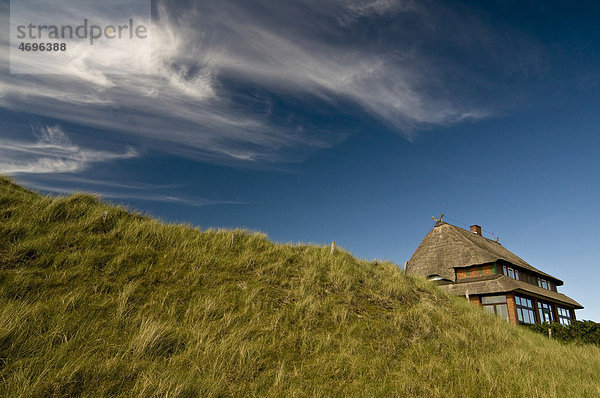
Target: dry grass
x=134, y=307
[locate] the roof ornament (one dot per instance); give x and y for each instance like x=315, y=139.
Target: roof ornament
x=495, y=238
x=438, y=219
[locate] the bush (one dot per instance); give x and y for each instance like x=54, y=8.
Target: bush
x=581, y=332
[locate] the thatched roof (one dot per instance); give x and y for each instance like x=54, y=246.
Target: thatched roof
x=502, y=284
x=447, y=247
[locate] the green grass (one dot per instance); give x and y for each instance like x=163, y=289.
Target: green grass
x=131, y=306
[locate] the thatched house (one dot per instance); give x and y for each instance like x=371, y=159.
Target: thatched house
x=468, y=264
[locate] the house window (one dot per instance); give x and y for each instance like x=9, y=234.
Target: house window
x=495, y=305
x=564, y=315
x=510, y=272
x=544, y=284
x=525, y=310
x=545, y=311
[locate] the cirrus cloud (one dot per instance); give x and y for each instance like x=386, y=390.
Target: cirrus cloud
x=220, y=65
x=53, y=152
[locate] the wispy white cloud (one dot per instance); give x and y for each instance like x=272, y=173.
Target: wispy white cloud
x=53, y=152
x=119, y=191
x=314, y=51
x=174, y=199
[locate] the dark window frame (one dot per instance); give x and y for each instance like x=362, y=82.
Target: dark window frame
x=498, y=301
x=525, y=310
x=564, y=315
x=545, y=311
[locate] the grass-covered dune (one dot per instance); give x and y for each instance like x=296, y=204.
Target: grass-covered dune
x=130, y=306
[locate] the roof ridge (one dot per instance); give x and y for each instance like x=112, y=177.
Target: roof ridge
x=466, y=230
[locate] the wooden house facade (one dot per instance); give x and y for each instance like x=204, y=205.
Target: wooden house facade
x=467, y=264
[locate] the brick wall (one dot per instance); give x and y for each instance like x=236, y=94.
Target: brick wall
x=512, y=308
x=475, y=300
x=461, y=273
x=486, y=270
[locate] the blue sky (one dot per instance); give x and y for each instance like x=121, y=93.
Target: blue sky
x=346, y=120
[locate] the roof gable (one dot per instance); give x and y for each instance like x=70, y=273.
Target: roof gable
x=447, y=247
